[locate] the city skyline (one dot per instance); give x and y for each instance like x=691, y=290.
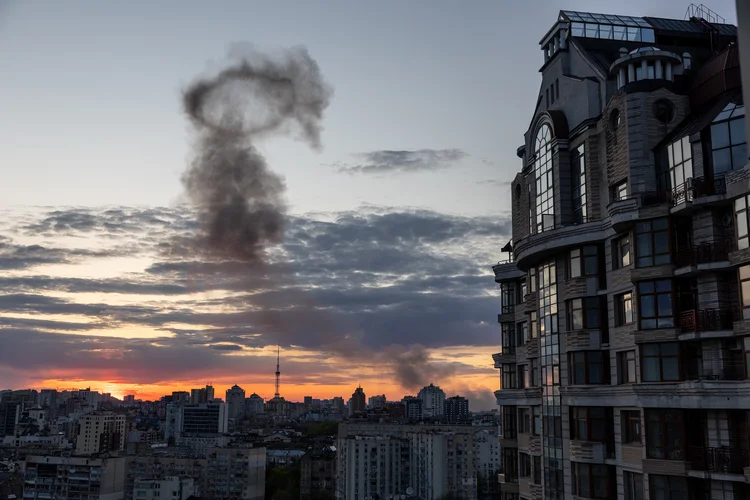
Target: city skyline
x=392, y=228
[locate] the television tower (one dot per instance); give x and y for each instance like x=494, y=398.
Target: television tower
x=278, y=373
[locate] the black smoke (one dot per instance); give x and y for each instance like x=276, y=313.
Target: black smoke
x=238, y=199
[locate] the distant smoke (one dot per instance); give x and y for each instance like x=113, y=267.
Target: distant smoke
x=239, y=200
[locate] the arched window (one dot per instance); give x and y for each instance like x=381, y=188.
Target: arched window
x=543, y=173
x=687, y=62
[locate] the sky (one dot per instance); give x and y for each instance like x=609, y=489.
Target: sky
x=392, y=225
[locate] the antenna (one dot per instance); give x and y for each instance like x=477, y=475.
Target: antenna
x=278, y=373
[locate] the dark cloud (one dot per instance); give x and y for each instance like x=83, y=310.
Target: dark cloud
x=373, y=287
x=403, y=161
x=494, y=182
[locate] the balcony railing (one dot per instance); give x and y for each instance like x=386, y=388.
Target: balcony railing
x=697, y=188
x=704, y=320
x=725, y=459
x=703, y=253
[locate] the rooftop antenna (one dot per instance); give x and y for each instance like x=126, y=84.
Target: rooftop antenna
x=278, y=373
x=703, y=12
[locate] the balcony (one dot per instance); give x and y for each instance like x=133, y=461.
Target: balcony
x=724, y=460
x=704, y=253
x=516, y=397
x=506, y=270
x=504, y=357
x=696, y=188
x=705, y=320
x=589, y=451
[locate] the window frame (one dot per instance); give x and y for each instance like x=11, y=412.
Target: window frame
x=532, y=280
x=660, y=321
x=523, y=376
x=581, y=261
x=632, y=427
x=727, y=116
x=584, y=305
x=587, y=363
x=524, y=464
x=524, y=420
x=658, y=422
x=741, y=208
x=678, y=162
x=627, y=367
x=533, y=325
x=633, y=485
x=620, y=191
x=507, y=297
x=661, y=357
x=671, y=483
x=620, y=257
x=583, y=422
x=623, y=316
x=508, y=376
x=534, y=372
x=743, y=276
x=594, y=478
x=578, y=178
x=647, y=233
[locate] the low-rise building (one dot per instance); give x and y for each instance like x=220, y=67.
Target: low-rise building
x=167, y=488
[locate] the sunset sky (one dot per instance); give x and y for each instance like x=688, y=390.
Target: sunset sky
x=384, y=277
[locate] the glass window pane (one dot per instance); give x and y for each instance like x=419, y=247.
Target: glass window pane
x=592, y=30
x=669, y=349
x=648, y=324
x=663, y=286
x=643, y=242
x=739, y=156
x=660, y=224
x=661, y=242
x=737, y=131
x=634, y=34
x=577, y=29
x=647, y=306
x=592, y=318
x=719, y=135
x=605, y=31
x=677, y=152
x=619, y=33
x=665, y=304
x=647, y=35
x=722, y=160
x=741, y=225
x=670, y=369
x=595, y=373
x=744, y=272
x=651, y=349
x=646, y=286
x=651, y=370
x=746, y=293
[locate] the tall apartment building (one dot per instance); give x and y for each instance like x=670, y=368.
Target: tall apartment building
x=376, y=401
x=625, y=306
x=196, y=420
x=254, y=405
x=200, y=396
x=10, y=414
x=100, y=432
x=412, y=407
x=74, y=478
x=170, y=487
x=318, y=474
x=235, y=401
x=426, y=461
x=433, y=399
x=456, y=410
x=359, y=400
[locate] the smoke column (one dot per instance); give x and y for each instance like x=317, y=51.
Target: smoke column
x=239, y=200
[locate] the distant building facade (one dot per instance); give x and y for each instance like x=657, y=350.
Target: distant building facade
x=100, y=432
x=359, y=401
x=318, y=474
x=235, y=400
x=167, y=488
x=456, y=410
x=254, y=405
x=433, y=399
x=74, y=477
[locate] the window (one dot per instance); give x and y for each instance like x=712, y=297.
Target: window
x=578, y=173
x=523, y=332
x=631, y=426
x=537, y=413
x=592, y=480
x=687, y=61
x=633, y=485
x=652, y=242
x=589, y=367
x=534, y=382
x=583, y=262
x=508, y=375
x=509, y=337
x=590, y=424
x=621, y=252
x=523, y=376
x=533, y=332
x=746, y=353
x=626, y=367
x=741, y=219
x=660, y=362
x=620, y=191
x=545, y=194
x=665, y=435
x=507, y=297
x=524, y=420
x=667, y=487
x=680, y=158
x=532, y=280
x=623, y=309
x=744, y=273
x=728, y=141
x=524, y=465
x=537, y=469
x=655, y=301
x=584, y=313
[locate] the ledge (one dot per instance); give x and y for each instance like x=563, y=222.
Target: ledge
x=506, y=271
x=540, y=245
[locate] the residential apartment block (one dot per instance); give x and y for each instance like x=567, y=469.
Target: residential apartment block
x=168, y=488
x=73, y=478
x=100, y=432
x=625, y=301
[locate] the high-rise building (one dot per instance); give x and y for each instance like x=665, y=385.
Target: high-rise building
x=625, y=303
x=196, y=420
x=376, y=402
x=235, y=401
x=181, y=396
x=358, y=401
x=456, y=410
x=100, y=432
x=308, y=402
x=70, y=478
x=48, y=398
x=318, y=474
x=10, y=414
x=432, y=398
x=412, y=407
x=169, y=487
x=129, y=399
x=338, y=404
x=422, y=461
x=254, y=405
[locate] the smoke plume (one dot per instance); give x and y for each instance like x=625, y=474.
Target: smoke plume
x=239, y=200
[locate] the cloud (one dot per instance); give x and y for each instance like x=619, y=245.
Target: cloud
x=493, y=182
x=403, y=161
x=380, y=289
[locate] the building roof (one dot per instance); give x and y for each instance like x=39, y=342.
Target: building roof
x=689, y=26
